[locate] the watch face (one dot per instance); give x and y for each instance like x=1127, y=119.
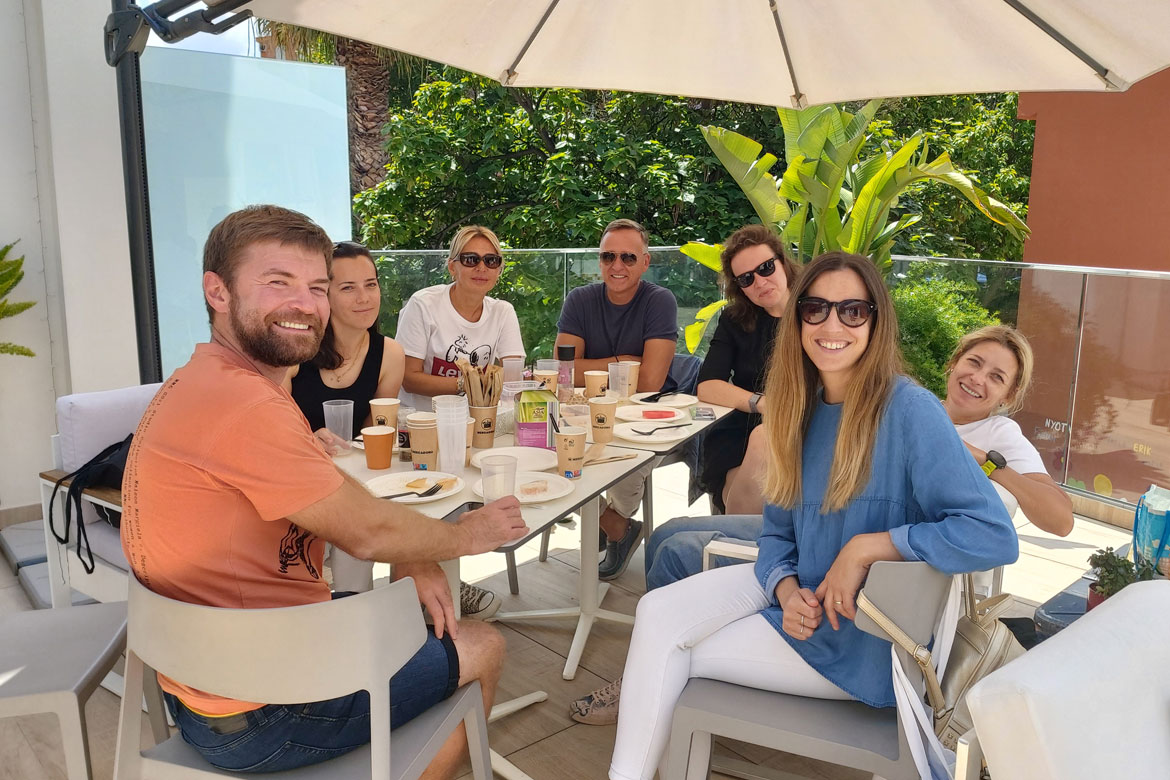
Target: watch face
x=999, y=460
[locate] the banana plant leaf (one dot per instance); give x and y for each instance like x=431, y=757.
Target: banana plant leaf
x=693, y=333
x=740, y=155
x=707, y=254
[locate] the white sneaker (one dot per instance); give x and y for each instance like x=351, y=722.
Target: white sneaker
x=476, y=603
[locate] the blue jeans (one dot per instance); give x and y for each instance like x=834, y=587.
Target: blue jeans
x=277, y=737
x=675, y=549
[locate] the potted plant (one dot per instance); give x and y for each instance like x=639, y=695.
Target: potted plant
x=1114, y=572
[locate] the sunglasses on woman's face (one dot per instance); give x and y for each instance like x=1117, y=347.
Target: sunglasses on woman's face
x=852, y=313
x=748, y=278
x=471, y=260
x=629, y=258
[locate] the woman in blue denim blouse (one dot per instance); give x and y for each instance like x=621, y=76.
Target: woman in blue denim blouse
x=864, y=466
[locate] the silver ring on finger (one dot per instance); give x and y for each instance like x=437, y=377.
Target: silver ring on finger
x=802, y=623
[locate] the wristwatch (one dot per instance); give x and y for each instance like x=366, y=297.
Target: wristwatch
x=754, y=403
x=459, y=384
x=994, y=461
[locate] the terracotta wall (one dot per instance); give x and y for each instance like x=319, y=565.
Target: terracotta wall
x=1100, y=196
x=1100, y=192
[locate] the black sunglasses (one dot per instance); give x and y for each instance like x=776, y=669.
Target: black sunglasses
x=629, y=258
x=852, y=313
x=471, y=260
x=748, y=278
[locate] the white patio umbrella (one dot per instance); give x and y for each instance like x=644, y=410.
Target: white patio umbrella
x=773, y=52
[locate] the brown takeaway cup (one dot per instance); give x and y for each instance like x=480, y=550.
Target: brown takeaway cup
x=485, y=426
x=424, y=441
x=384, y=411
x=570, y=451
x=548, y=377
x=601, y=412
x=595, y=383
x=635, y=366
x=379, y=443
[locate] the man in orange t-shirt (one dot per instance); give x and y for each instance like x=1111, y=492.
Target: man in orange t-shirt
x=229, y=499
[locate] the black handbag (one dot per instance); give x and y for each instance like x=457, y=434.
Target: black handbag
x=102, y=470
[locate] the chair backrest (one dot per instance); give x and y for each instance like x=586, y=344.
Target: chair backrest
x=1091, y=701
x=87, y=423
x=278, y=656
x=684, y=373
x=910, y=593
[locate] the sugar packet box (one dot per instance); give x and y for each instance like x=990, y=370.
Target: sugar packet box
x=535, y=409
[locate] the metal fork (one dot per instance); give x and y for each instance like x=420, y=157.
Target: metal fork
x=432, y=490
x=659, y=428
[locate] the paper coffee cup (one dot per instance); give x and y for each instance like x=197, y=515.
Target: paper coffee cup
x=635, y=366
x=570, y=451
x=547, y=376
x=379, y=443
x=424, y=441
x=595, y=383
x=485, y=426
x=384, y=411
x=601, y=414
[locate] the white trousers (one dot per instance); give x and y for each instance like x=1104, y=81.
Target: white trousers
x=626, y=496
x=710, y=626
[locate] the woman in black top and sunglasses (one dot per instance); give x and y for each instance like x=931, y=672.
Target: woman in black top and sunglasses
x=442, y=324
x=756, y=278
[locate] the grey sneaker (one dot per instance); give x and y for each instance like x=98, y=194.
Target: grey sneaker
x=617, y=554
x=476, y=603
x=599, y=708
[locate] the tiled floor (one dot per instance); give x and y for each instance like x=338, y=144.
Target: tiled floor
x=543, y=740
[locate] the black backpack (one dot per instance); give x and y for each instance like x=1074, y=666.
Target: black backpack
x=102, y=470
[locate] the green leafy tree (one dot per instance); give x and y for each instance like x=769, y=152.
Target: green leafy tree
x=550, y=167
x=11, y=272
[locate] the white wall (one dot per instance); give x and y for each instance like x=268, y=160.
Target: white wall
x=26, y=384
x=61, y=193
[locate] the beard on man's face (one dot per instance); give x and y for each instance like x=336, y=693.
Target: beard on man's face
x=266, y=345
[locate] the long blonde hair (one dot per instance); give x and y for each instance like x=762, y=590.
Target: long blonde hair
x=793, y=381
x=1012, y=340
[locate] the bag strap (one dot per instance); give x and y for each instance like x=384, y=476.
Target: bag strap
x=73, y=505
x=919, y=653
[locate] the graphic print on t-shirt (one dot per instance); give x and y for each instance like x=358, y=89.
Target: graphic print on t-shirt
x=294, y=550
x=480, y=356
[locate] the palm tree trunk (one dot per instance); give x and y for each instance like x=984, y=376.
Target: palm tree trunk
x=367, y=81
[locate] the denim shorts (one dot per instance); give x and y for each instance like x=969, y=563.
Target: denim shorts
x=277, y=737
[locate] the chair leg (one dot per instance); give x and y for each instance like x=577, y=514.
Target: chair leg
x=513, y=581
x=544, y=537
x=648, y=506
x=475, y=724
x=73, y=739
x=699, y=764
x=156, y=709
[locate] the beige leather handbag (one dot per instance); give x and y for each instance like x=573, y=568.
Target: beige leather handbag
x=982, y=645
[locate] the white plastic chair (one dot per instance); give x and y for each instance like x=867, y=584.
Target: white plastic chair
x=847, y=733
x=285, y=656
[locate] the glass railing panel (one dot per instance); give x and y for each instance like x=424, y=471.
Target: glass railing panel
x=1120, y=435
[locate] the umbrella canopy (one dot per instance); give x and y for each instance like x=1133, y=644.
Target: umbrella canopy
x=772, y=52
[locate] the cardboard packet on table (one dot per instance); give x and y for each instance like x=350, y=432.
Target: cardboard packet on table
x=535, y=410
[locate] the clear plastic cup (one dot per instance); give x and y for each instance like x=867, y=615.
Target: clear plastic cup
x=513, y=369
x=339, y=418
x=498, y=476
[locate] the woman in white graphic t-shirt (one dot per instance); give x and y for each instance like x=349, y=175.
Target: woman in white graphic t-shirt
x=988, y=375
x=442, y=324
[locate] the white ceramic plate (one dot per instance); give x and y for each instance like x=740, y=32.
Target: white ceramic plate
x=389, y=484
x=678, y=401
x=554, y=486
x=634, y=413
x=527, y=458
x=665, y=436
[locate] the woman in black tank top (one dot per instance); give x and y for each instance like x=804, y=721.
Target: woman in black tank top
x=355, y=362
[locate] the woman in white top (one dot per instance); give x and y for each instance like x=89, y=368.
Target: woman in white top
x=446, y=322
x=987, y=377
x=442, y=324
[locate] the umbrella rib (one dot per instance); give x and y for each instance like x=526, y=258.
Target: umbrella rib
x=510, y=73
x=1110, y=78
x=797, y=97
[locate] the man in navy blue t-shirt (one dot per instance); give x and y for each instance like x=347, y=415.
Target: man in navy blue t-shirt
x=622, y=318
